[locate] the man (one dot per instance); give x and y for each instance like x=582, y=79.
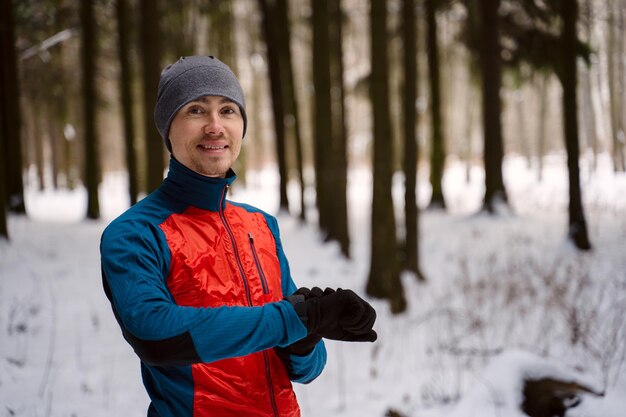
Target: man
x=200, y=285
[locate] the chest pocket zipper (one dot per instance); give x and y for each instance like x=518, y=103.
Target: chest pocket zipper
x=257, y=262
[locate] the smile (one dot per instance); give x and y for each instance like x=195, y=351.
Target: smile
x=213, y=148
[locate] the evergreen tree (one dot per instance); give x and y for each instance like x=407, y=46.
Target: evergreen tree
x=292, y=120
x=270, y=29
x=90, y=97
x=151, y=47
x=411, y=210
x=123, y=32
x=437, y=150
x=491, y=76
x=577, y=224
x=338, y=143
x=11, y=118
x=322, y=119
x=384, y=275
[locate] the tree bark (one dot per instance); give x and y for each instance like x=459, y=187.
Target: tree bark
x=621, y=86
x=411, y=210
x=322, y=118
x=292, y=119
x=221, y=26
x=151, y=46
x=88, y=62
x=589, y=114
x=613, y=58
x=384, y=275
x=437, y=151
x=123, y=32
x=339, y=170
x=577, y=224
x=276, y=85
x=9, y=85
x=4, y=230
x=491, y=72
x=542, y=117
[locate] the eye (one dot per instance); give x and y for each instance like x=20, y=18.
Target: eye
x=195, y=109
x=229, y=110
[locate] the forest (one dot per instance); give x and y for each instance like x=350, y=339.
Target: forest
x=392, y=85
x=422, y=97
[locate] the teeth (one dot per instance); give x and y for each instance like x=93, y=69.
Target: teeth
x=212, y=147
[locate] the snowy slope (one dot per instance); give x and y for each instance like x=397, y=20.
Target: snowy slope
x=507, y=291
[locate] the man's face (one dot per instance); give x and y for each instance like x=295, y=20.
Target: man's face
x=206, y=135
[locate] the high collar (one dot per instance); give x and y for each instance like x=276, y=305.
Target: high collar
x=194, y=189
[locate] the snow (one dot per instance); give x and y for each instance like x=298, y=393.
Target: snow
x=507, y=297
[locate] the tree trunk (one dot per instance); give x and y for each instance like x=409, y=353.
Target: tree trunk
x=276, y=86
x=577, y=224
x=150, y=39
x=88, y=62
x=221, y=17
x=437, y=151
x=492, y=107
x=470, y=110
x=542, y=117
x=292, y=120
x=411, y=210
x=589, y=117
x=589, y=114
x=339, y=220
x=9, y=85
x=613, y=56
x=38, y=133
x=322, y=118
x=523, y=134
x=384, y=275
x=4, y=230
x=221, y=43
x=621, y=86
x=123, y=32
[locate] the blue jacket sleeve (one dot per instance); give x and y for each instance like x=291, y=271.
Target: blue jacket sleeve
x=135, y=263
x=302, y=369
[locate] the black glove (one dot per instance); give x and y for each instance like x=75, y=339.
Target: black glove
x=303, y=346
x=338, y=315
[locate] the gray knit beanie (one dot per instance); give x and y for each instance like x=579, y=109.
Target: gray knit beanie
x=188, y=79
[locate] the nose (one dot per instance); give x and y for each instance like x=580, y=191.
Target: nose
x=213, y=125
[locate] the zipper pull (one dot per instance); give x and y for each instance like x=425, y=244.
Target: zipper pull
x=250, y=237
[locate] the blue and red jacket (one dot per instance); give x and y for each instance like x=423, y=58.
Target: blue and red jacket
x=197, y=283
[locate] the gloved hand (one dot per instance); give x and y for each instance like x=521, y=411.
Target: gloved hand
x=303, y=346
x=338, y=315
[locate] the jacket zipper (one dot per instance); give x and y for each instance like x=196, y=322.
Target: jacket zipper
x=258, y=265
x=268, y=374
x=232, y=241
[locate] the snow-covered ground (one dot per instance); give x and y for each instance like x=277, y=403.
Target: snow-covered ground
x=506, y=298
